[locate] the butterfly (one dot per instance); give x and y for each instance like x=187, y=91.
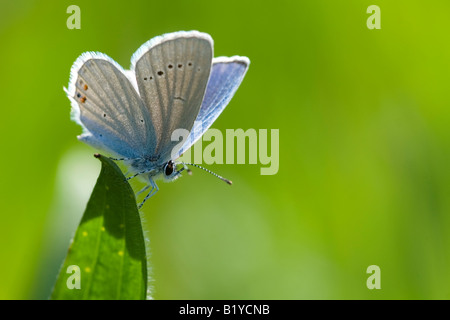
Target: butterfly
x=174, y=83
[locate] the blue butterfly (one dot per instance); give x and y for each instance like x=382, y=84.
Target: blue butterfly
x=173, y=83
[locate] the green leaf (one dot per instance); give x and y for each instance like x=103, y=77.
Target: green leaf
x=108, y=250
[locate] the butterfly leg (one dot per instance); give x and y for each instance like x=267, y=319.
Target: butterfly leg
x=150, y=194
x=143, y=190
x=140, y=172
x=123, y=159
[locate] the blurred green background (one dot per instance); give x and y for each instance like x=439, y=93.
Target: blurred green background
x=364, y=150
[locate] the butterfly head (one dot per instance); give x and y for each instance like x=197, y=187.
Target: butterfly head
x=170, y=171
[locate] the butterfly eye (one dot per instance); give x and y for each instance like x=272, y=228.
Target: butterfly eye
x=168, y=169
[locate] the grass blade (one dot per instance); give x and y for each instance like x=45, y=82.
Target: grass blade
x=108, y=250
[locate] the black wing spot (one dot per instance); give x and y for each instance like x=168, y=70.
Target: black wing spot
x=170, y=66
x=160, y=73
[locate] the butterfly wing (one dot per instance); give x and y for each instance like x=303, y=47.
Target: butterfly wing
x=227, y=74
x=172, y=72
x=106, y=104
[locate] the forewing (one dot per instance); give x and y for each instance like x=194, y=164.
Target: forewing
x=226, y=76
x=106, y=104
x=172, y=72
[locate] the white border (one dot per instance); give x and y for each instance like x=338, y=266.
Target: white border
x=143, y=49
x=241, y=59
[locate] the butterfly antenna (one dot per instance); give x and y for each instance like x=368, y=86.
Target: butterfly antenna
x=214, y=174
x=185, y=167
